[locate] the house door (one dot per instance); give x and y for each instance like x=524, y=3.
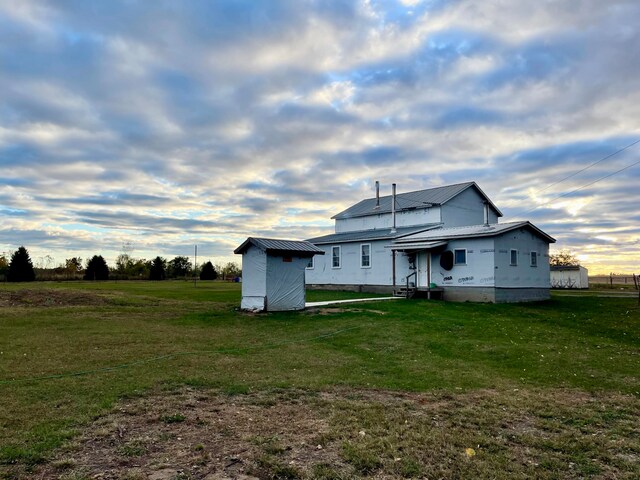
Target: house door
x=422, y=265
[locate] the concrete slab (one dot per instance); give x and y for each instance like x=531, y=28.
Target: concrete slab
x=353, y=300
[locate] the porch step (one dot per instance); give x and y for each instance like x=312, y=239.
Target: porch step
x=404, y=292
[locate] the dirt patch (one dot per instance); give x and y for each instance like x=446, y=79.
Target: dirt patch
x=349, y=433
x=50, y=298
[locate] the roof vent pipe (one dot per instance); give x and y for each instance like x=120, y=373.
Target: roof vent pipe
x=393, y=207
x=486, y=214
x=377, y=194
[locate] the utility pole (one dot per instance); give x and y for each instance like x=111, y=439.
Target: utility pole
x=195, y=267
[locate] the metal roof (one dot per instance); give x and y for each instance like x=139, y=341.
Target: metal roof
x=474, y=231
x=417, y=245
x=411, y=200
x=272, y=245
x=375, y=234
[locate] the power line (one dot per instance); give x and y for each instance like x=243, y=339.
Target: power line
x=589, y=166
x=584, y=186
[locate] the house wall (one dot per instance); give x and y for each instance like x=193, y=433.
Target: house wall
x=467, y=208
x=478, y=271
x=254, y=279
x=522, y=275
x=407, y=218
x=350, y=271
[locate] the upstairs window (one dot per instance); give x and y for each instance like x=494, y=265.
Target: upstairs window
x=514, y=257
x=534, y=259
x=460, y=256
x=335, y=257
x=365, y=255
x=310, y=264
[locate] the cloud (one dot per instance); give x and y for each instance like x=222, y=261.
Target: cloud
x=165, y=124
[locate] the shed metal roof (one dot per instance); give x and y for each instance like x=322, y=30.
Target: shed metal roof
x=272, y=245
x=411, y=200
x=474, y=231
x=374, y=234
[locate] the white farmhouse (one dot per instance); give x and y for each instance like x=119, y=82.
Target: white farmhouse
x=443, y=241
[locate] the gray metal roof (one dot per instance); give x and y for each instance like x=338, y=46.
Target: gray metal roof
x=474, y=231
x=375, y=234
x=411, y=200
x=272, y=245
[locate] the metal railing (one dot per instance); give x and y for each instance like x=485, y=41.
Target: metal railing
x=415, y=282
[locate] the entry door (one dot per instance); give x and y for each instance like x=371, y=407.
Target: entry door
x=421, y=261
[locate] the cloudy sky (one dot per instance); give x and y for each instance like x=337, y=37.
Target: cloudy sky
x=164, y=124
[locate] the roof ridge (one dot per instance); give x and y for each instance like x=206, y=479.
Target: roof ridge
x=419, y=190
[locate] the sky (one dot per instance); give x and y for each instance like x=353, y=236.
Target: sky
x=153, y=126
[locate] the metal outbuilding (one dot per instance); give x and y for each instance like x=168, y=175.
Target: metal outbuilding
x=569, y=276
x=273, y=273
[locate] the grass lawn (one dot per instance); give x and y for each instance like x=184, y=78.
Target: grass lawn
x=545, y=390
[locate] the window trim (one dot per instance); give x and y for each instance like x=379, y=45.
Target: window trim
x=312, y=261
x=511, y=264
x=361, y=255
x=339, y=256
x=533, y=254
x=455, y=263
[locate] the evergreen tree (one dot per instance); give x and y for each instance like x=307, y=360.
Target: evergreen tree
x=97, y=269
x=21, y=268
x=208, y=272
x=158, y=269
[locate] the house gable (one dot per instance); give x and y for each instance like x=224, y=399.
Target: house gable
x=453, y=205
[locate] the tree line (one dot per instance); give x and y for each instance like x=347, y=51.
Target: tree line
x=19, y=268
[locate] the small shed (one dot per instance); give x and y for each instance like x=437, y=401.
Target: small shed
x=569, y=276
x=273, y=273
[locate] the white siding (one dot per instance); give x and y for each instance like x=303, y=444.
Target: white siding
x=467, y=208
x=522, y=275
x=407, y=218
x=479, y=270
x=350, y=271
x=570, y=278
x=254, y=279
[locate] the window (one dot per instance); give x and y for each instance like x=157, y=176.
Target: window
x=365, y=255
x=310, y=264
x=514, y=257
x=534, y=259
x=335, y=257
x=460, y=256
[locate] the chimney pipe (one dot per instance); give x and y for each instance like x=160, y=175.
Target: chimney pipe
x=393, y=207
x=377, y=194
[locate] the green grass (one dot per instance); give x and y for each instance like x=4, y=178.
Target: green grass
x=166, y=334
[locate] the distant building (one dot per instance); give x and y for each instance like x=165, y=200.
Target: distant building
x=442, y=241
x=569, y=276
x=273, y=273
